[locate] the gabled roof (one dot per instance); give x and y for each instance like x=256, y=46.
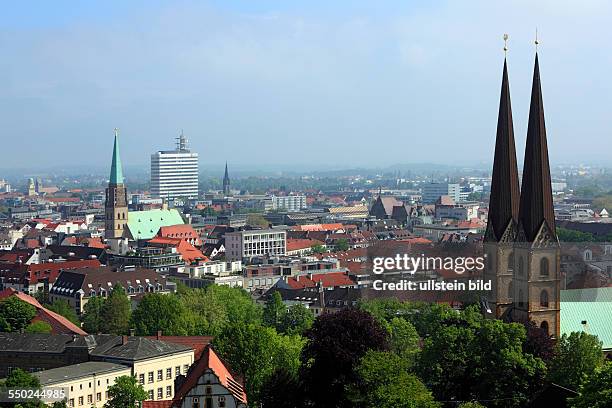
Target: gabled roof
x=210, y=361
x=328, y=280
x=59, y=324
x=146, y=224
x=137, y=348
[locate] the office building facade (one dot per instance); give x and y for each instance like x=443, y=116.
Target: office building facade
x=174, y=173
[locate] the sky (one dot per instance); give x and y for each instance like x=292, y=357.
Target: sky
x=294, y=83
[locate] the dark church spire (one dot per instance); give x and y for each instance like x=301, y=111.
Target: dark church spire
x=536, y=205
x=226, y=182
x=504, y=199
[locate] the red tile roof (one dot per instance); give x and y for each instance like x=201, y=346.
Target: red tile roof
x=297, y=244
x=210, y=360
x=59, y=324
x=187, y=251
x=319, y=227
x=157, y=404
x=328, y=280
x=178, y=231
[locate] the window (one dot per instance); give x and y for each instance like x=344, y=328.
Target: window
x=521, y=301
x=160, y=375
x=544, y=267
x=196, y=403
x=150, y=394
x=511, y=262
x=71, y=402
x=177, y=370
x=89, y=399
x=168, y=373
x=169, y=391
x=221, y=402
x=150, y=376
x=544, y=326
x=185, y=368
x=80, y=400
x=544, y=298
x=99, y=396
x=160, y=393
x=141, y=378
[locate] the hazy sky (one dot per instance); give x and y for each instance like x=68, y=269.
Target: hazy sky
x=349, y=83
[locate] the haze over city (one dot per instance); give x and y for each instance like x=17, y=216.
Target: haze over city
x=361, y=83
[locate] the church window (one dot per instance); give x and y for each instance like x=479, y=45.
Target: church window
x=544, y=267
x=511, y=262
x=544, y=298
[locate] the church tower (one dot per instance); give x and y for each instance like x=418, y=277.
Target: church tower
x=226, y=183
x=116, y=210
x=537, y=251
x=503, y=209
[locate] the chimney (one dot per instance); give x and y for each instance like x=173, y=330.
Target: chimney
x=124, y=340
x=159, y=334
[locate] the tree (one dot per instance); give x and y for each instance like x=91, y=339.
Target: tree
x=63, y=308
x=404, y=339
x=473, y=358
x=471, y=404
x=317, y=249
x=38, y=327
x=157, y=312
x=335, y=345
x=16, y=313
x=282, y=389
x=274, y=311
x=19, y=378
x=92, y=315
x=596, y=390
x=116, y=312
x=296, y=320
x=539, y=343
x=126, y=392
x=577, y=356
x=342, y=244
x=256, y=352
x=257, y=220
x=384, y=382
x=217, y=306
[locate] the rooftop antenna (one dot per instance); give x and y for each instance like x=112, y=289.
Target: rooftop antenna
x=181, y=143
x=506, y=44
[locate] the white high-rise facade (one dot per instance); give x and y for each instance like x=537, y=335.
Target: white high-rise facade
x=174, y=173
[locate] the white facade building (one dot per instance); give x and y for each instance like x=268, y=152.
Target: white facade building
x=432, y=191
x=174, y=173
x=247, y=244
x=289, y=203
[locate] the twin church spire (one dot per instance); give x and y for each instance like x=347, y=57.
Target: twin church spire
x=523, y=212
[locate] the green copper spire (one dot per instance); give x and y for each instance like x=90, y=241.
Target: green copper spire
x=116, y=174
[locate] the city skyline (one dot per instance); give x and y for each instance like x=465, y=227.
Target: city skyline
x=419, y=80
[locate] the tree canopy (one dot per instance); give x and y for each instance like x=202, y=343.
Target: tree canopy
x=126, y=392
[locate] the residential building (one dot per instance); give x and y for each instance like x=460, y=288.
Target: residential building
x=84, y=384
x=77, y=286
x=289, y=203
x=174, y=173
x=241, y=245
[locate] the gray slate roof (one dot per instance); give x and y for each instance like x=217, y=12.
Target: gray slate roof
x=75, y=371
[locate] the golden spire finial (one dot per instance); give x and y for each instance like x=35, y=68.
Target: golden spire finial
x=505, y=44
x=537, y=42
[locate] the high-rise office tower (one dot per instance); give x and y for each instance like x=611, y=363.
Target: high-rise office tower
x=174, y=173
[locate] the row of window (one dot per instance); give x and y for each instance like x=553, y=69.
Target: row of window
x=544, y=265
x=81, y=400
x=160, y=374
